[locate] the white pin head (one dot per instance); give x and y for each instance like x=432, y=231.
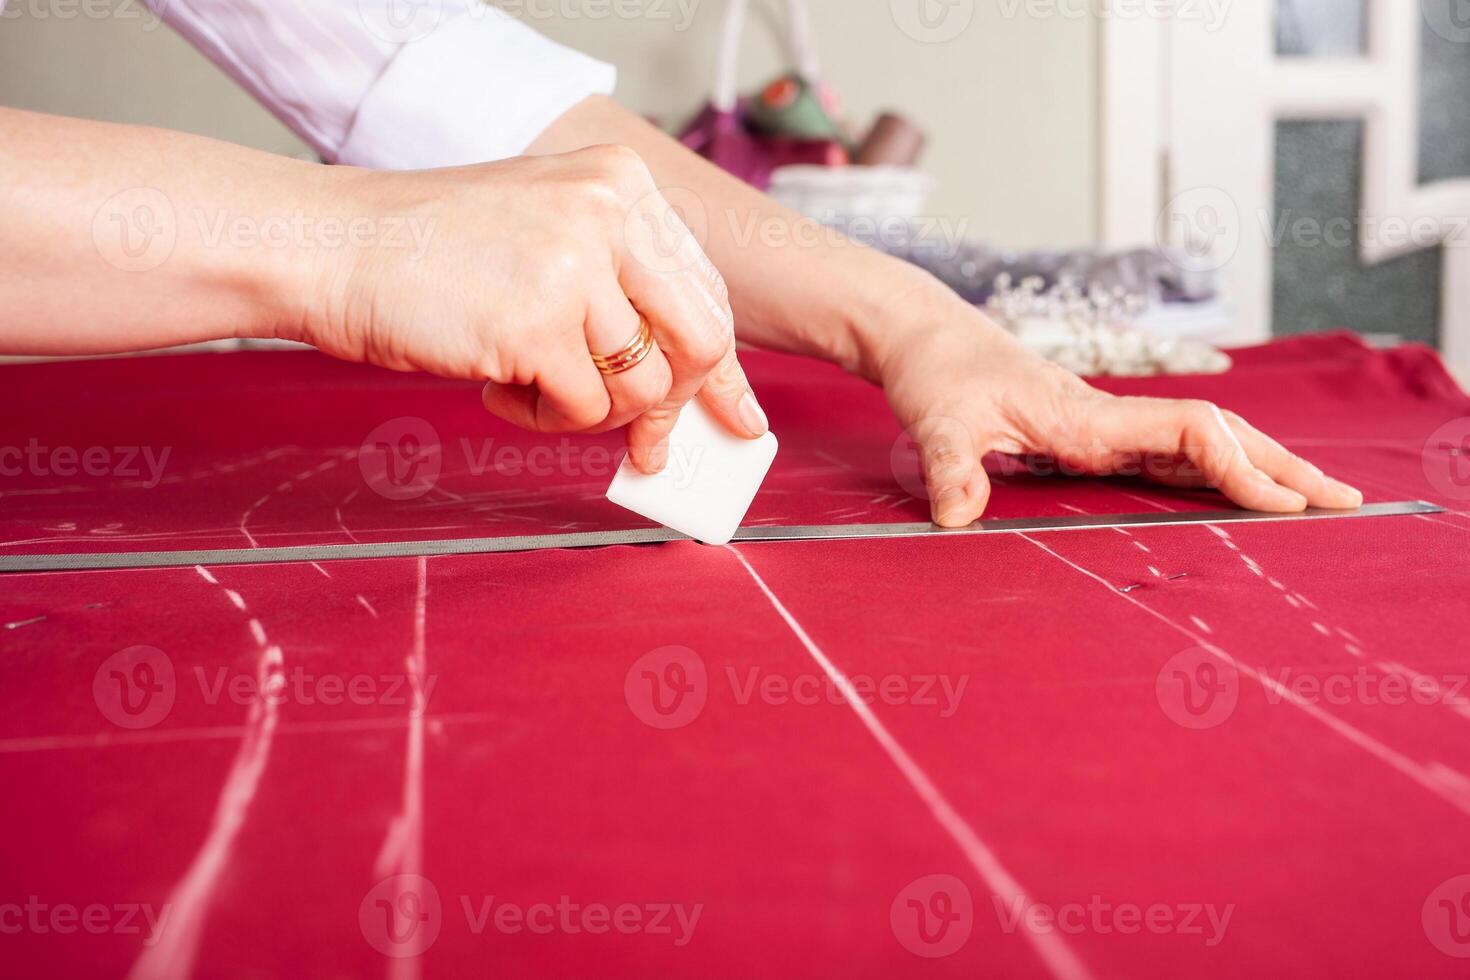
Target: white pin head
x=708, y=484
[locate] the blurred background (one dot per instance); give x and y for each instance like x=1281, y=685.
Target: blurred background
x=1239, y=168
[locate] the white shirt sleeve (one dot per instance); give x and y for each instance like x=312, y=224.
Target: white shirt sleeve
x=393, y=84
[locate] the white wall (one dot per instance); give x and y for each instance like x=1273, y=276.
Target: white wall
x=1009, y=102
x=123, y=68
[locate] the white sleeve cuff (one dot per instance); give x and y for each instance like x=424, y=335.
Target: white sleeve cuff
x=481, y=86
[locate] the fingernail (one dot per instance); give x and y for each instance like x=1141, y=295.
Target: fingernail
x=655, y=459
x=1353, y=492
x=948, y=504
x=1299, y=501
x=751, y=414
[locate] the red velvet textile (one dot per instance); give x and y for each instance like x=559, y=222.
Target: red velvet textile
x=1269, y=723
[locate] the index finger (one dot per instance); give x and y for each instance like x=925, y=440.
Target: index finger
x=1198, y=431
x=669, y=279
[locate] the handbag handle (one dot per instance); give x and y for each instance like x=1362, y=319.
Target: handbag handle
x=799, y=37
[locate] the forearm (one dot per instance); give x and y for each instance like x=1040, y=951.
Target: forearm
x=794, y=286
x=125, y=238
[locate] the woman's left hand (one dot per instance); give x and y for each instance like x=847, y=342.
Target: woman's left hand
x=962, y=387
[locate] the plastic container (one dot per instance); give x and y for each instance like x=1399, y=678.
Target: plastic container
x=838, y=195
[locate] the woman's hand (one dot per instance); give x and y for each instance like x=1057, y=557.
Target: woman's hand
x=962, y=387
x=530, y=266
x=513, y=273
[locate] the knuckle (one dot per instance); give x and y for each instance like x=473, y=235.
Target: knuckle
x=1074, y=413
x=562, y=263
x=705, y=347
x=617, y=169
x=660, y=417
x=617, y=158
x=1202, y=411
x=489, y=368
x=584, y=414
x=1197, y=420
x=727, y=378
x=716, y=282
x=722, y=288
x=649, y=391
x=1069, y=383
x=944, y=462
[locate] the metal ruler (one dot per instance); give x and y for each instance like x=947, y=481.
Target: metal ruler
x=599, y=539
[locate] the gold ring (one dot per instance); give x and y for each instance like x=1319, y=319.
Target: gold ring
x=630, y=355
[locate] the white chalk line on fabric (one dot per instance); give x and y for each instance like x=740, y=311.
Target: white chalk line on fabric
x=1054, y=951
x=1395, y=759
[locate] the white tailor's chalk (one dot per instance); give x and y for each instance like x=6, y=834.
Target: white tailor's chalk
x=706, y=488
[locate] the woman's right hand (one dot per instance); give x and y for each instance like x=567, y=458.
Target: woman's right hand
x=521, y=271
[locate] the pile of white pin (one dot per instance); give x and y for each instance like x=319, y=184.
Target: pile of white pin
x=1092, y=332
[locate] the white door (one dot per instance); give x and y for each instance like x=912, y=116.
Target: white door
x=1314, y=153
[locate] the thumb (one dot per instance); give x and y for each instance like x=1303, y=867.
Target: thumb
x=728, y=396
x=958, y=486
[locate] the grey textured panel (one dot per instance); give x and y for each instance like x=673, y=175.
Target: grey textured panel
x=1444, y=105
x=1331, y=28
x=1319, y=282
x=658, y=535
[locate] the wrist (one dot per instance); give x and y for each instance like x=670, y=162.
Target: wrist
x=304, y=241
x=894, y=311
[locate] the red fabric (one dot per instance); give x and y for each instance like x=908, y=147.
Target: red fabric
x=1334, y=829
x=217, y=426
